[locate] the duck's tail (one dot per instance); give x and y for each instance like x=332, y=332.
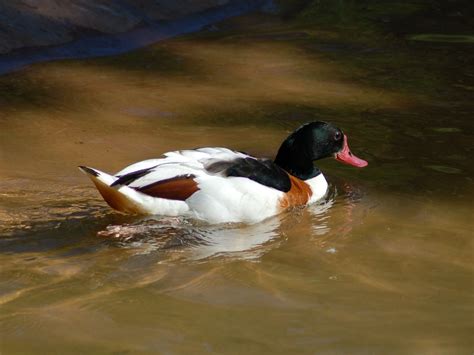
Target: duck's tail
x=118, y=197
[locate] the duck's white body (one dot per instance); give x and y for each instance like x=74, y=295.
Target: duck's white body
x=181, y=183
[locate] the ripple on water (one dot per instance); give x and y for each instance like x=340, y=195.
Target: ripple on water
x=77, y=242
x=193, y=240
x=80, y=222
x=63, y=221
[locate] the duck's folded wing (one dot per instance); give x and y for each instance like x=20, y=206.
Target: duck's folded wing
x=177, y=175
x=173, y=176
x=263, y=171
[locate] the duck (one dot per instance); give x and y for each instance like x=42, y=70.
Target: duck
x=220, y=185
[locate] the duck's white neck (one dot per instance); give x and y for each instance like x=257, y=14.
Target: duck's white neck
x=319, y=187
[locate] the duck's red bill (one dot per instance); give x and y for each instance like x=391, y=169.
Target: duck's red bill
x=346, y=156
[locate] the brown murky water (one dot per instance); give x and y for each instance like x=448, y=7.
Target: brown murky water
x=383, y=265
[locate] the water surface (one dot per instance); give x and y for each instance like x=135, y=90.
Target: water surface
x=382, y=265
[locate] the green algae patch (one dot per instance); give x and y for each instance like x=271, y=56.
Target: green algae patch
x=441, y=38
x=447, y=129
x=444, y=169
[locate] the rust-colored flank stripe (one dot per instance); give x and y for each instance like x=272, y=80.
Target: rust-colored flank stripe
x=299, y=193
x=177, y=188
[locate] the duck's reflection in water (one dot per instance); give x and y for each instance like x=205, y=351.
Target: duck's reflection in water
x=332, y=221
x=180, y=238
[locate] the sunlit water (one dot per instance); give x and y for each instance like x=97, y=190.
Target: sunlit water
x=382, y=265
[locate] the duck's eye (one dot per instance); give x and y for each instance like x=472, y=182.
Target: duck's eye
x=337, y=136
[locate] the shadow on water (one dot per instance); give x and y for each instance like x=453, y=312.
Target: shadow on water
x=32, y=92
x=64, y=225
x=157, y=60
x=174, y=69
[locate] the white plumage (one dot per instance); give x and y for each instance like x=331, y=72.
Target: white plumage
x=218, y=198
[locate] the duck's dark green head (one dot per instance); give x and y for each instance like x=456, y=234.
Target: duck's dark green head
x=314, y=141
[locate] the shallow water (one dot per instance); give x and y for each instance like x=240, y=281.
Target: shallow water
x=382, y=265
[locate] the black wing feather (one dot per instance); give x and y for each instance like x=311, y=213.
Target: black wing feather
x=131, y=177
x=263, y=171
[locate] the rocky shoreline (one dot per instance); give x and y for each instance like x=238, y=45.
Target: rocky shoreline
x=38, y=23
x=111, y=28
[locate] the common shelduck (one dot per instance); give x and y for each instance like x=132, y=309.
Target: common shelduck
x=220, y=185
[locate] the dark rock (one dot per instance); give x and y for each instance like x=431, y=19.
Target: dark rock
x=32, y=23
